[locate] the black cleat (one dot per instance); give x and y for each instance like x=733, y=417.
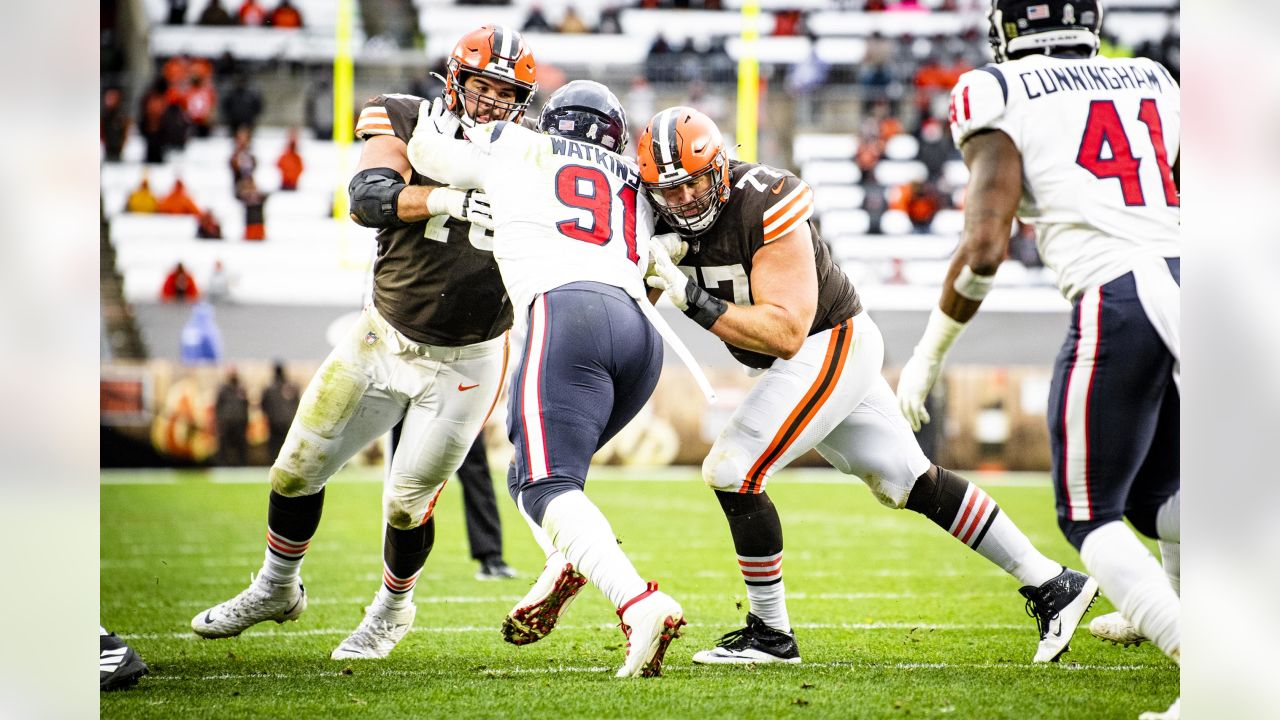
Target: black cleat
x=495, y=569
x=755, y=643
x=1058, y=606
x=119, y=667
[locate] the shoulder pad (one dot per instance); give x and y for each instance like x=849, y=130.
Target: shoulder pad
x=978, y=102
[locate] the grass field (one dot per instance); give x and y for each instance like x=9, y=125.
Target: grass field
x=895, y=619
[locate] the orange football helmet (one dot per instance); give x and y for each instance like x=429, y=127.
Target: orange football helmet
x=685, y=168
x=495, y=52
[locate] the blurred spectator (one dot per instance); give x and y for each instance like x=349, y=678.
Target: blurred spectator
x=214, y=14
x=141, y=200
x=870, y=150
x=320, y=108
x=177, y=12
x=243, y=162
x=201, y=342
x=920, y=201
x=788, y=23
x=572, y=22
x=536, y=22
x=290, y=164
x=115, y=124
x=689, y=62
x=874, y=6
x=931, y=77
x=660, y=63
x=175, y=126
x=208, y=227
x=231, y=413
x=218, y=289
x=242, y=105
x=874, y=203
x=897, y=272
x=151, y=117
x=254, y=201
x=286, y=16
x=907, y=6
x=935, y=146
x=179, y=286
x=201, y=101
x=178, y=202
x=251, y=14
x=610, y=21
x=279, y=403
x=881, y=120
x=719, y=66
x=804, y=78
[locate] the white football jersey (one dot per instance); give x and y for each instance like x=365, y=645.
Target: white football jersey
x=563, y=211
x=1098, y=139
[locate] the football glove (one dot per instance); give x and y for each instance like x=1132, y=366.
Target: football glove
x=434, y=122
x=665, y=276
x=921, y=371
x=467, y=205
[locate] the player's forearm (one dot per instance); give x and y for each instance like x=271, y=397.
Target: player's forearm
x=412, y=205
x=767, y=329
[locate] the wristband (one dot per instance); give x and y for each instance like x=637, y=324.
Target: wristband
x=703, y=307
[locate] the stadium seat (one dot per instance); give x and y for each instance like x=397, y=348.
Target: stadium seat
x=823, y=146
x=901, y=147
x=895, y=222
x=891, y=173
x=836, y=223
x=838, y=197
x=947, y=222
x=830, y=172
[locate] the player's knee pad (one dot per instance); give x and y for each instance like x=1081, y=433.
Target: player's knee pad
x=536, y=496
x=725, y=468
x=736, y=504
x=937, y=495
x=328, y=404
x=289, y=483
x=1077, y=530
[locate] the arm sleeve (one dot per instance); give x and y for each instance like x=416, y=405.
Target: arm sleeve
x=979, y=101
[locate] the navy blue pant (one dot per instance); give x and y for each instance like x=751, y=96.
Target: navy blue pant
x=1113, y=414
x=589, y=363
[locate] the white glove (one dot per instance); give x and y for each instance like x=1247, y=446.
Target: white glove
x=666, y=276
x=467, y=205
x=921, y=371
x=918, y=377
x=434, y=122
x=675, y=247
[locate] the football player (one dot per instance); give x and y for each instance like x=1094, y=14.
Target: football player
x=758, y=276
x=1086, y=149
x=119, y=666
x=571, y=241
x=429, y=351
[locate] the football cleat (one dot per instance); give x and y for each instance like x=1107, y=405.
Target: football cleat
x=495, y=569
x=755, y=643
x=1114, y=628
x=259, y=602
x=1058, y=606
x=650, y=620
x=119, y=667
x=538, y=611
x=1173, y=713
x=379, y=632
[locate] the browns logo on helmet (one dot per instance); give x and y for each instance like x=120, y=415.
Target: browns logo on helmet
x=685, y=168
x=497, y=53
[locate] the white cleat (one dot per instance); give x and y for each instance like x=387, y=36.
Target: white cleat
x=1114, y=628
x=259, y=602
x=1058, y=606
x=650, y=621
x=538, y=611
x=378, y=634
x=1173, y=713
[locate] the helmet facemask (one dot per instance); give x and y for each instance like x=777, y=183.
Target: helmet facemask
x=692, y=213
x=459, y=97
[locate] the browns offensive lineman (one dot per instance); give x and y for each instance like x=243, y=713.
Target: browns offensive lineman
x=430, y=352
x=758, y=277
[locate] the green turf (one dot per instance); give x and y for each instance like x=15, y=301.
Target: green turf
x=895, y=619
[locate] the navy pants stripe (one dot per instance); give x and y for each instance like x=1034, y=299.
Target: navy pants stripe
x=589, y=364
x=1113, y=412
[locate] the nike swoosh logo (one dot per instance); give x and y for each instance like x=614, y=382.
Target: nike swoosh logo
x=208, y=618
x=1055, y=627
x=464, y=388
x=777, y=187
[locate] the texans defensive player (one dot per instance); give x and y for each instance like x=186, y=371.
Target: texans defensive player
x=758, y=276
x=571, y=240
x=1086, y=149
x=429, y=352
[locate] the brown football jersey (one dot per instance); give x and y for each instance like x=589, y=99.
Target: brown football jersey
x=436, y=280
x=764, y=204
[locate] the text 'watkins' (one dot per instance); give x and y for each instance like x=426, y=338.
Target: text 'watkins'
x=599, y=156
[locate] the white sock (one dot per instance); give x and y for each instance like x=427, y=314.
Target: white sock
x=1135, y=584
x=1170, y=556
x=539, y=535
x=1006, y=546
x=578, y=529
x=767, y=602
x=283, y=561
